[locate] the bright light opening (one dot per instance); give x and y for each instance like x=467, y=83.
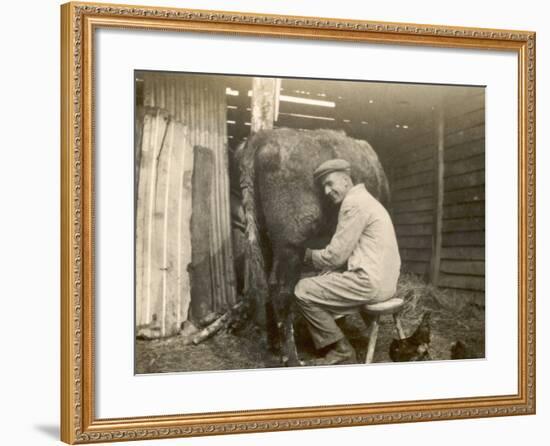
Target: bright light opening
x=298, y=115
x=296, y=100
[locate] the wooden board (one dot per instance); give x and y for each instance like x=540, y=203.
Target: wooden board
x=466, y=195
x=462, y=282
x=473, y=296
x=155, y=125
x=414, y=154
x=416, y=180
x=439, y=167
x=412, y=193
x=412, y=230
x=170, y=278
x=467, y=267
x=465, y=121
x=423, y=204
x=468, y=179
x=264, y=102
x=465, y=136
x=465, y=165
x=415, y=267
x=181, y=253
x=423, y=242
x=464, y=210
x=464, y=224
x=412, y=217
x=415, y=255
x=470, y=238
x=163, y=249
x=200, y=269
x=463, y=253
x=457, y=106
x=413, y=168
x=465, y=150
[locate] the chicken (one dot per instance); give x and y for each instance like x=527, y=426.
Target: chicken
x=416, y=346
x=458, y=350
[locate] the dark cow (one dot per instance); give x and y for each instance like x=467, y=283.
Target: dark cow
x=285, y=212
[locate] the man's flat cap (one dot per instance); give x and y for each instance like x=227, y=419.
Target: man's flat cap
x=335, y=165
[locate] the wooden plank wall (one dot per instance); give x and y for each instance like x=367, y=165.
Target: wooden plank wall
x=463, y=238
x=412, y=174
x=163, y=213
x=200, y=104
x=412, y=179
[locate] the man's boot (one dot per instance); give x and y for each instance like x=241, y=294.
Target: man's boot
x=341, y=352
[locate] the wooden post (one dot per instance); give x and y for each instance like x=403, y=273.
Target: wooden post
x=439, y=166
x=264, y=103
x=201, y=215
x=265, y=96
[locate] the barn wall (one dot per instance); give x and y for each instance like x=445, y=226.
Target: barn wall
x=463, y=238
x=412, y=188
x=200, y=104
x=413, y=173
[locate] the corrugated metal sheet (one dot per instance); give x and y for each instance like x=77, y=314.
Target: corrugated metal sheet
x=163, y=213
x=200, y=104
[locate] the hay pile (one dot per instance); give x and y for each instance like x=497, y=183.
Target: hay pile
x=455, y=315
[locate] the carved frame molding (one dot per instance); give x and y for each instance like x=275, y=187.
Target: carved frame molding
x=79, y=20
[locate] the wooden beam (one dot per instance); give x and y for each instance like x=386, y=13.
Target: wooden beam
x=265, y=108
x=265, y=96
x=200, y=269
x=438, y=197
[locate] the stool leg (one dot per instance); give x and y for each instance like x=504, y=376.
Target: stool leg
x=367, y=318
x=398, y=326
x=373, y=334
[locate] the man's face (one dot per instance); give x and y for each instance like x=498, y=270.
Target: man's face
x=336, y=185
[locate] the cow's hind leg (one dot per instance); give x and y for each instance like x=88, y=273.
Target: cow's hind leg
x=273, y=337
x=287, y=272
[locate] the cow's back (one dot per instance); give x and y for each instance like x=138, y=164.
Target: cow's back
x=292, y=207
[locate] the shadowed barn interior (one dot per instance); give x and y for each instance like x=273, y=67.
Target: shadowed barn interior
x=190, y=250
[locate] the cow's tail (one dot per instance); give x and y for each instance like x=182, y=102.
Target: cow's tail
x=255, y=278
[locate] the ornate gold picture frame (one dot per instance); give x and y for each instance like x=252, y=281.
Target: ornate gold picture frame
x=79, y=25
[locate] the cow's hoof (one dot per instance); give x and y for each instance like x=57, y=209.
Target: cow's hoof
x=274, y=348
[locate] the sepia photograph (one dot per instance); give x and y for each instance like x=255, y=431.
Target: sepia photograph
x=290, y=222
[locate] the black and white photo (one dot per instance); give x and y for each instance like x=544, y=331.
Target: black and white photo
x=306, y=222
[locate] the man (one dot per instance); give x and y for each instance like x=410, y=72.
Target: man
x=360, y=265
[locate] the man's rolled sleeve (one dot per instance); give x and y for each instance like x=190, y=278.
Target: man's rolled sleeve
x=351, y=222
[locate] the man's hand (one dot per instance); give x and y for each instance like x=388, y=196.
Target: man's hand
x=326, y=271
x=307, y=257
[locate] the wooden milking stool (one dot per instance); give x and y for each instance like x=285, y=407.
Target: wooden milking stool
x=371, y=315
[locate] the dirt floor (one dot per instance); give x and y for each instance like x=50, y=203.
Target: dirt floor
x=454, y=317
